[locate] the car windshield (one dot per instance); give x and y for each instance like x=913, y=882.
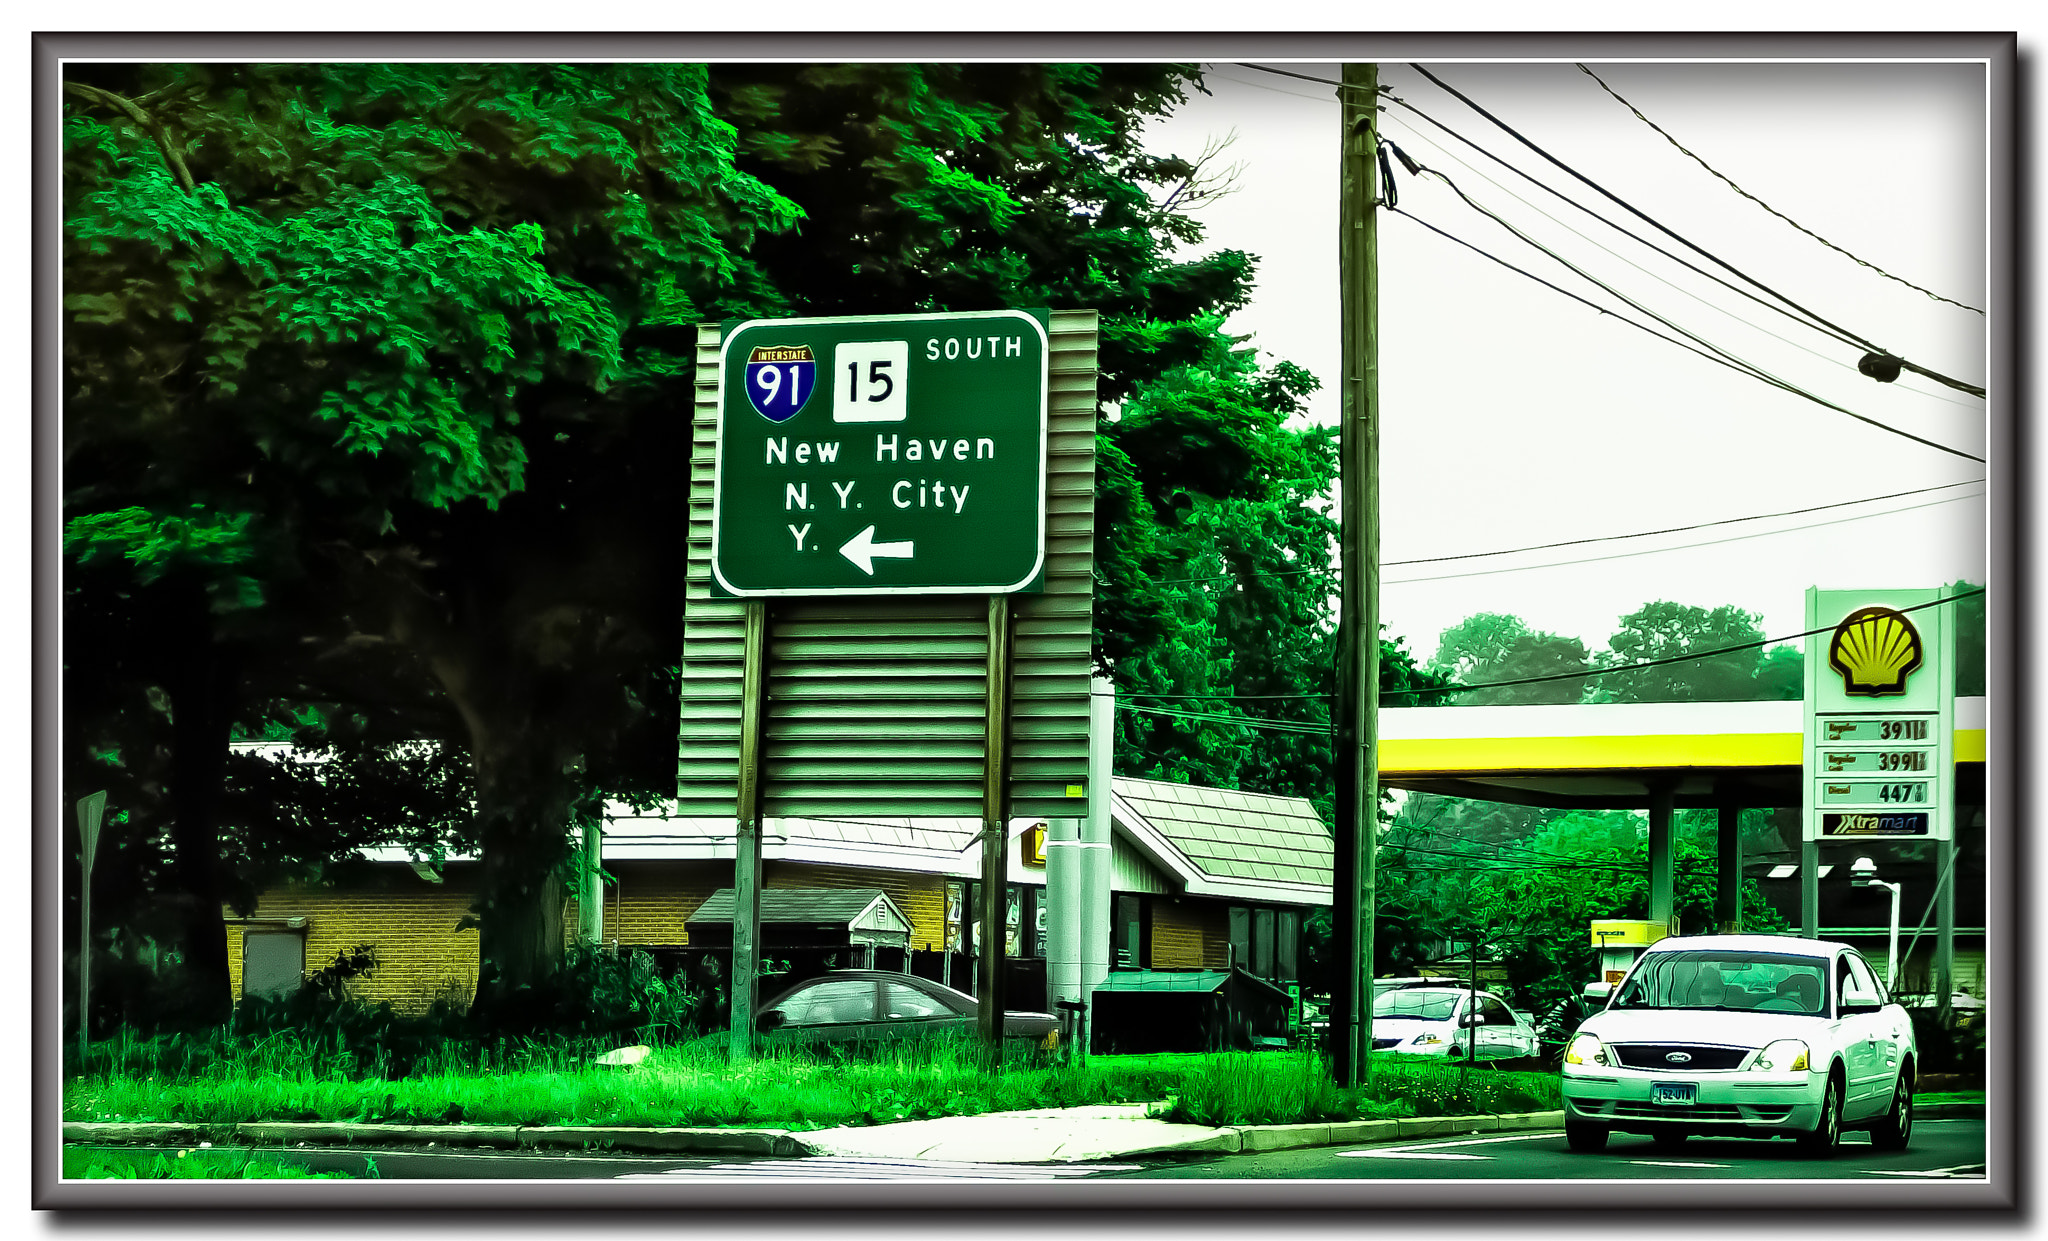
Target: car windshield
x=1728, y=979
x=1420, y=1005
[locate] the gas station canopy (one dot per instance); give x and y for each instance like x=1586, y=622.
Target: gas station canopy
x=1607, y=756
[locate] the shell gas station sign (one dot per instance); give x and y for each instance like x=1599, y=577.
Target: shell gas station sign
x=1880, y=715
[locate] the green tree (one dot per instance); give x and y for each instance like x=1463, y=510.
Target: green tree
x=1494, y=646
x=311, y=309
x=1665, y=630
x=422, y=330
x=1533, y=900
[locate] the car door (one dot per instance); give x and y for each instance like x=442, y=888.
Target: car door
x=1864, y=1016
x=1496, y=1031
x=909, y=1012
x=828, y=1010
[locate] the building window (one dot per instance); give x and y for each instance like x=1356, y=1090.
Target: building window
x=1265, y=941
x=1128, y=932
x=1025, y=921
x=273, y=962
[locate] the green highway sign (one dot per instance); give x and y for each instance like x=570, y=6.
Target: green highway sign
x=881, y=454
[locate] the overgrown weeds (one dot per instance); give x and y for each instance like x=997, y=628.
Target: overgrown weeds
x=81, y=1163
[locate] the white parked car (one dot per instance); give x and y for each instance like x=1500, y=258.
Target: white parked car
x=1743, y=1035
x=1447, y=1021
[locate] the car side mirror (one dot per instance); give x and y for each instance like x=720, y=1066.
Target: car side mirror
x=1470, y=1019
x=1598, y=991
x=1859, y=1002
x=770, y=1020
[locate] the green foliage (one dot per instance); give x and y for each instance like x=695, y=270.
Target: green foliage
x=1529, y=901
x=185, y=1165
x=1490, y=647
x=553, y=1084
x=1493, y=646
x=1665, y=630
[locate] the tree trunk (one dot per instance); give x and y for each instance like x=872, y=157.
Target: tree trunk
x=523, y=803
x=202, y=684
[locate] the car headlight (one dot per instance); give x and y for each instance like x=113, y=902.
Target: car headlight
x=1585, y=1049
x=1787, y=1053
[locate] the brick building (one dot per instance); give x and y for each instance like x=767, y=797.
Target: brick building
x=1200, y=879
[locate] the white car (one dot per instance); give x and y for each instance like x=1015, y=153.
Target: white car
x=1447, y=1020
x=1743, y=1035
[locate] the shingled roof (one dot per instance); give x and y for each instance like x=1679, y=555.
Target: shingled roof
x=1234, y=836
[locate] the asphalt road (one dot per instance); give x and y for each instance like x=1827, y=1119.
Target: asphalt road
x=1941, y=1149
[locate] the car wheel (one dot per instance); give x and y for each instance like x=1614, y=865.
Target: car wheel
x=1896, y=1129
x=1586, y=1139
x=1827, y=1131
x=1669, y=1139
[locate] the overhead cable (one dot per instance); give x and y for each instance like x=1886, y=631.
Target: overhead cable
x=1741, y=364
x=1585, y=674
x=1879, y=359
x=1652, y=246
x=1760, y=202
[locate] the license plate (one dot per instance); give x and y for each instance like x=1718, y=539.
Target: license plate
x=1674, y=1092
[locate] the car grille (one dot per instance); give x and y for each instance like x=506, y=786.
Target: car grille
x=1665, y=1111
x=1653, y=1056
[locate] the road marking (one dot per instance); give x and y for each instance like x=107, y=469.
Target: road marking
x=855, y=1168
x=1420, y=1150
x=1665, y=1163
x=1961, y=1169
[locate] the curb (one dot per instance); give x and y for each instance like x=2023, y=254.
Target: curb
x=1231, y=1140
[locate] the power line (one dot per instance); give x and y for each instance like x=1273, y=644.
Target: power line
x=1742, y=364
x=1880, y=353
x=1301, y=726
x=1876, y=356
x=1760, y=202
x=1809, y=321
x=1736, y=363
x=1658, y=551
x=1678, y=659
x=1646, y=243
x=1604, y=538
x=1726, y=521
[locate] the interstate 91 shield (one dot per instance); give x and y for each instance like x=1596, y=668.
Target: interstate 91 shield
x=780, y=379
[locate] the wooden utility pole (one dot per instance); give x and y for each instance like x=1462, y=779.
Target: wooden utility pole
x=1356, y=751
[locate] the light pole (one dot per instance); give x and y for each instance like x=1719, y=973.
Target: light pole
x=1863, y=874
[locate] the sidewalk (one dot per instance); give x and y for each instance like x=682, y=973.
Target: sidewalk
x=1052, y=1135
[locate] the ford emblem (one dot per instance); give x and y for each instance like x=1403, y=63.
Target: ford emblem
x=1679, y=1057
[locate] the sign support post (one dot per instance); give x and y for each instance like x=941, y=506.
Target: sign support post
x=995, y=837
x=746, y=854
x=90, y=812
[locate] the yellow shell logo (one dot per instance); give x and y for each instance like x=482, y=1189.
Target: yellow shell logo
x=1875, y=650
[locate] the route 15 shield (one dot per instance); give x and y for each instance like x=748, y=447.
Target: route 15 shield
x=780, y=379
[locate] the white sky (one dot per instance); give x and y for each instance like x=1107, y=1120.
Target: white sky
x=1512, y=416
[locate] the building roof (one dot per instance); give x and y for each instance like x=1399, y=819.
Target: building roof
x=1225, y=842
x=832, y=906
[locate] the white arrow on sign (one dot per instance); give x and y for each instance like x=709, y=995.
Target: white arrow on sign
x=863, y=551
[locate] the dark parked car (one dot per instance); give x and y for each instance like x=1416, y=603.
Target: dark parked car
x=853, y=1006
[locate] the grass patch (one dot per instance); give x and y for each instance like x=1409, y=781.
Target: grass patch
x=673, y=1087
x=695, y=1086
x=1277, y=1089
x=185, y=1165
x=1949, y=1096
